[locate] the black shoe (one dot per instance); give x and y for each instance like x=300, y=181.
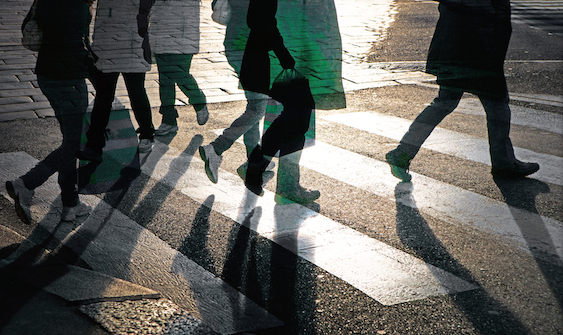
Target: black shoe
x=253, y=180
x=298, y=195
x=90, y=154
x=518, y=170
x=399, y=163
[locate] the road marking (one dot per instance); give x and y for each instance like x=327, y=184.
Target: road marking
x=386, y=274
x=449, y=142
x=113, y=244
x=437, y=199
x=522, y=116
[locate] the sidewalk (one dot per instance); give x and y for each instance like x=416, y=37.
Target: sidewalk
x=361, y=23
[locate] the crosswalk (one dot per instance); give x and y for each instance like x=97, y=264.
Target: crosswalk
x=545, y=15
x=386, y=274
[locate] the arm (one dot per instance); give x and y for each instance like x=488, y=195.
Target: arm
x=143, y=17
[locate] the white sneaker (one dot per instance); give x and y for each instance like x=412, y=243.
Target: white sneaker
x=145, y=145
x=212, y=161
x=202, y=116
x=165, y=129
x=22, y=198
x=71, y=213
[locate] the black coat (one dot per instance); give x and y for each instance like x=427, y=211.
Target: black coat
x=469, y=45
x=264, y=36
x=63, y=53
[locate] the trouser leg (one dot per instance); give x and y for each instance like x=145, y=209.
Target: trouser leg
x=247, y=124
x=69, y=99
x=498, y=128
x=105, y=83
x=135, y=83
x=446, y=101
x=167, y=88
x=188, y=84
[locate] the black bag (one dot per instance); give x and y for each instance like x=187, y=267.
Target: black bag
x=292, y=128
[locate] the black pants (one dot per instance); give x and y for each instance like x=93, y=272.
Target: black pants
x=105, y=93
x=69, y=99
x=287, y=132
x=498, y=125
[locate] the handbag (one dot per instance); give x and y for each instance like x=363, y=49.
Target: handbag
x=291, y=90
x=221, y=11
x=32, y=34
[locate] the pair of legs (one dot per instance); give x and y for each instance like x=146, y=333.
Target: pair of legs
x=69, y=99
x=246, y=125
x=286, y=135
x=498, y=116
x=175, y=69
x=105, y=92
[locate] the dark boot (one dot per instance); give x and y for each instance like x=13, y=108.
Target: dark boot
x=288, y=189
x=257, y=164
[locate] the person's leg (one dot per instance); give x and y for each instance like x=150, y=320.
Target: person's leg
x=167, y=72
x=188, y=84
x=69, y=99
x=135, y=83
x=399, y=158
x=106, y=84
x=247, y=124
x=446, y=101
x=503, y=161
x=288, y=188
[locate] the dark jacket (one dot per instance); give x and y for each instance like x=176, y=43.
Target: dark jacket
x=264, y=36
x=469, y=45
x=63, y=52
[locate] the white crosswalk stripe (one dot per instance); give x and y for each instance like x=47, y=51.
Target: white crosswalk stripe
x=543, y=14
x=384, y=273
x=450, y=142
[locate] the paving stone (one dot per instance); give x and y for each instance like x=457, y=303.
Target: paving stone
x=42, y=113
x=76, y=284
x=19, y=107
x=15, y=100
x=17, y=116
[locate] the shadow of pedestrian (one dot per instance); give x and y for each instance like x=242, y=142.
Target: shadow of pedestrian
x=269, y=272
x=485, y=313
x=43, y=257
x=520, y=196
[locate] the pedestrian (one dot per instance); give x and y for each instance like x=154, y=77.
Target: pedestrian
x=174, y=36
x=61, y=70
x=120, y=46
x=247, y=124
x=313, y=31
x=467, y=55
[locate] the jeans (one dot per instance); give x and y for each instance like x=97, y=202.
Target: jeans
x=69, y=99
x=248, y=124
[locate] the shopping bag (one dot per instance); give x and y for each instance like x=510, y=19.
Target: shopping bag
x=120, y=159
x=290, y=91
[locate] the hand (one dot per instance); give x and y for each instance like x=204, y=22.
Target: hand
x=286, y=60
x=142, y=24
